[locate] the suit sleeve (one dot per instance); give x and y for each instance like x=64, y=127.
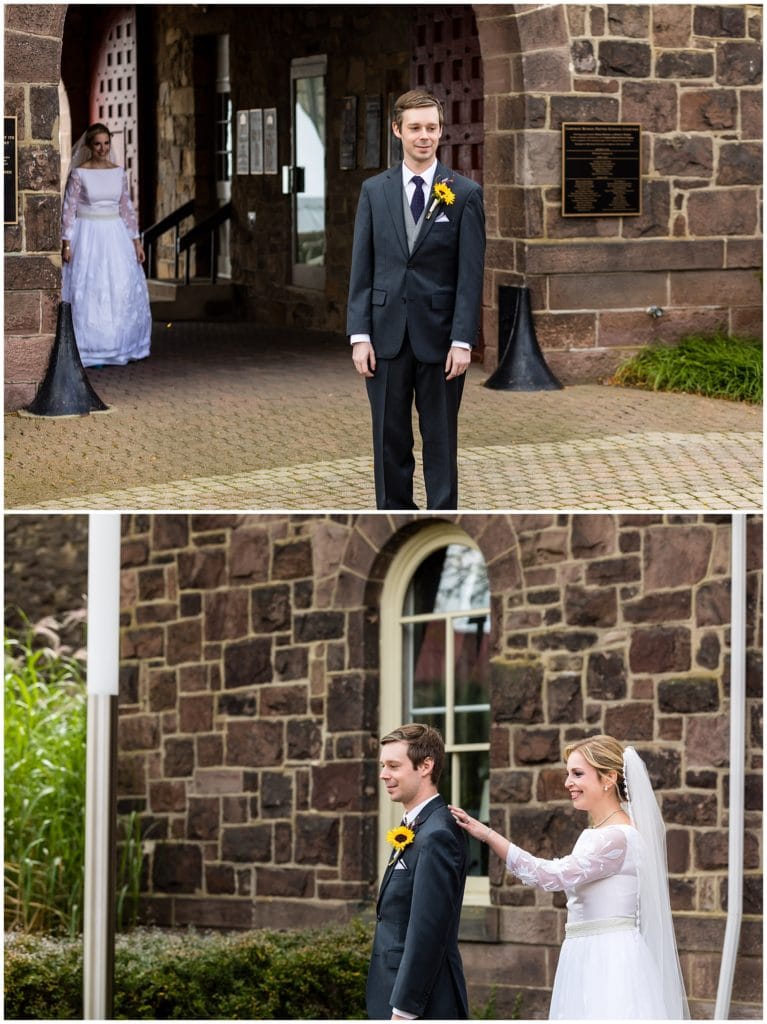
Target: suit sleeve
x=358, y=314
x=436, y=903
x=471, y=266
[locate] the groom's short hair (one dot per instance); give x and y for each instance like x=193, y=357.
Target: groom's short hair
x=414, y=99
x=422, y=741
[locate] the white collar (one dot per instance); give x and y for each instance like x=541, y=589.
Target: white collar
x=411, y=815
x=427, y=175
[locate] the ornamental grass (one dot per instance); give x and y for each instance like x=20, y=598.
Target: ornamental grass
x=45, y=709
x=715, y=366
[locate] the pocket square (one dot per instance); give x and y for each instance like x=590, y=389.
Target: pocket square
x=442, y=219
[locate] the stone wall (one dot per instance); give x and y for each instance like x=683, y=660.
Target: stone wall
x=32, y=248
x=46, y=565
x=691, y=75
x=248, y=717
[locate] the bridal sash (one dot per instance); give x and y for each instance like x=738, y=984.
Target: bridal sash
x=578, y=929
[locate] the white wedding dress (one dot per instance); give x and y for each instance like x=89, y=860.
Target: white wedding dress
x=606, y=970
x=103, y=281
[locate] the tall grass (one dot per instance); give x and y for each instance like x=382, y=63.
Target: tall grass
x=45, y=728
x=717, y=366
x=45, y=761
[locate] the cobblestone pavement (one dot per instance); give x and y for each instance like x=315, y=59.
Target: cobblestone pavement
x=229, y=416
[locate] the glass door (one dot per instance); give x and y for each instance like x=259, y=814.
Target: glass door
x=308, y=171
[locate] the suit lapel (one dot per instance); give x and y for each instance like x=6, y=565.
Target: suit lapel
x=438, y=801
x=393, y=193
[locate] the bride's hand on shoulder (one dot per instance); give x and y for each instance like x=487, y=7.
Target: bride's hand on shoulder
x=465, y=821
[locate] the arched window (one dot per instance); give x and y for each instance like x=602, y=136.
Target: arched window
x=435, y=636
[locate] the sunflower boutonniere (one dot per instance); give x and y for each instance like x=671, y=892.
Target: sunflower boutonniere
x=441, y=193
x=399, y=838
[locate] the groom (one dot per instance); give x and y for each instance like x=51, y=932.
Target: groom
x=415, y=967
x=415, y=297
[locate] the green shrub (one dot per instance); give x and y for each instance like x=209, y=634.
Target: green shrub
x=172, y=975
x=717, y=366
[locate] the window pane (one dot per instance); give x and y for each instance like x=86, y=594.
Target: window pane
x=471, y=650
x=424, y=668
x=474, y=775
x=450, y=579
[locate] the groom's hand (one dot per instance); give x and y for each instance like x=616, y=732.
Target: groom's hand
x=458, y=359
x=364, y=358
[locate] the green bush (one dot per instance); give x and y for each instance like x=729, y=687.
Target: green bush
x=717, y=366
x=190, y=975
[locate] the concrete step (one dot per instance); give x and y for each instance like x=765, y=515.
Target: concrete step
x=198, y=300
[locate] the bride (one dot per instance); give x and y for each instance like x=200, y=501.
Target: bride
x=102, y=254
x=619, y=958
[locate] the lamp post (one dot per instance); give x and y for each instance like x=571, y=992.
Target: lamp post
x=100, y=792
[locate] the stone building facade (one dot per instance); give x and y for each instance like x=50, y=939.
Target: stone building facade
x=252, y=694
x=689, y=74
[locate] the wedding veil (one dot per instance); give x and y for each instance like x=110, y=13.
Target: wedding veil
x=655, y=922
x=80, y=152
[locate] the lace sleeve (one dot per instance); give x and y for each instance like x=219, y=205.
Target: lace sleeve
x=597, y=854
x=127, y=212
x=69, y=206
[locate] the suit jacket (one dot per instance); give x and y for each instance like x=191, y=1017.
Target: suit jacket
x=415, y=963
x=435, y=292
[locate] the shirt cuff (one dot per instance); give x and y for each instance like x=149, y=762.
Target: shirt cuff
x=460, y=344
x=401, y=1013
x=359, y=337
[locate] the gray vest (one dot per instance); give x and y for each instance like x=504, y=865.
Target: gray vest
x=411, y=227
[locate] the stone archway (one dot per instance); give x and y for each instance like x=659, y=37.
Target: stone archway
x=33, y=36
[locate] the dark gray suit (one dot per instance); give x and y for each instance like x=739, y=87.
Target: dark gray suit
x=412, y=304
x=415, y=964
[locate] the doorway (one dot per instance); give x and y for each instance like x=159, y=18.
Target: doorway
x=309, y=171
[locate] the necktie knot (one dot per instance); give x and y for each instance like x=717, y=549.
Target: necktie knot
x=418, y=202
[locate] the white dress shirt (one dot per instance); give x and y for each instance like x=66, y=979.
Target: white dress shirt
x=407, y=181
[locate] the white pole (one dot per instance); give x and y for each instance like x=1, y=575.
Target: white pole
x=737, y=765
x=103, y=678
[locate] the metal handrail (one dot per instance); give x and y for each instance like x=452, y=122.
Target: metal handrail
x=150, y=234
x=206, y=228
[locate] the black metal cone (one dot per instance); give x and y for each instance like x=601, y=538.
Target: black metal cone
x=521, y=366
x=66, y=390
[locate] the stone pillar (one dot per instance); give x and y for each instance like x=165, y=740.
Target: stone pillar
x=32, y=252
x=690, y=75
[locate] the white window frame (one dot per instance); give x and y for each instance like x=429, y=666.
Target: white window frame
x=394, y=591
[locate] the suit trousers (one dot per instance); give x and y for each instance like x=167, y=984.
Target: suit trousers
x=391, y=391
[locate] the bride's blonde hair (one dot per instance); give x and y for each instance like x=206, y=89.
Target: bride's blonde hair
x=604, y=753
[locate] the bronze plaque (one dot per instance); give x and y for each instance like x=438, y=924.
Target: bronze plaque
x=10, y=172
x=601, y=170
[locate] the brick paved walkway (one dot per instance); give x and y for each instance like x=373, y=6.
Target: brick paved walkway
x=228, y=416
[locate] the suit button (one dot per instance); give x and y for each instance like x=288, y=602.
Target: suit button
x=378, y=917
